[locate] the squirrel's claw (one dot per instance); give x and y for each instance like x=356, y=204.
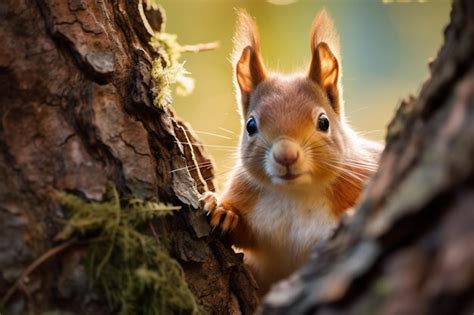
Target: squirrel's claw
x=208, y=202
x=220, y=215
x=225, y=219
x=229, y=222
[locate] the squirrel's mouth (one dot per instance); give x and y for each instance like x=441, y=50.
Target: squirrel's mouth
x=291, y=179
x=289, y=176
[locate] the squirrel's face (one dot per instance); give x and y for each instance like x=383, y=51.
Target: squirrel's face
x=292, y=123
x=291, y=135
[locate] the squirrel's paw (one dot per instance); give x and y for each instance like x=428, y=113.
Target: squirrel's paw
x=208, y=201
x=221, y=215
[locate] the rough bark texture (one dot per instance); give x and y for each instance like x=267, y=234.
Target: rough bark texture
x=77, y=113
x=410, y=247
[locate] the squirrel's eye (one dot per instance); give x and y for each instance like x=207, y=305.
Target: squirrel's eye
x=251, y=126
x=323, y=122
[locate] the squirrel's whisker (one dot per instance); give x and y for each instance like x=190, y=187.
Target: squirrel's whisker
x=211, y=134
x=194, y=166
x=227, y=130
x=206, y=145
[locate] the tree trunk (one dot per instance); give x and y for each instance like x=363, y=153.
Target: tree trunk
x=77, y=114
x=410, y=247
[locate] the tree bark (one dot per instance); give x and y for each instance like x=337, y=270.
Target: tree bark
x=410, y=247
x=77, y=113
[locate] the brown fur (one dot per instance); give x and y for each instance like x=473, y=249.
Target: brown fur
x=246, y=58
x=325, y=69
x=330, y=169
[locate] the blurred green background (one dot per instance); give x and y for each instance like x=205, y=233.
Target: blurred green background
x=386, y=45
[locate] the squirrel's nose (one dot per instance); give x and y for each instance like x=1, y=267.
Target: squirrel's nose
x=287, y=159
x=286, y=153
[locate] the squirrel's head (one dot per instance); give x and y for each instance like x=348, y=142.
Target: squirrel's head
x=292, y=124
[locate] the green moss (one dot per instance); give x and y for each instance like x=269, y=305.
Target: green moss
x=165, y=77
x=131, y=268
x=3, y=310
x=373, y=300
x=167, y=68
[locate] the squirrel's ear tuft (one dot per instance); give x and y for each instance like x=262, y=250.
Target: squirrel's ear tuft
x=325, y=69
x=249, y=69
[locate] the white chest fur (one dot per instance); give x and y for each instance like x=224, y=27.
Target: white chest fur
x=286, y=229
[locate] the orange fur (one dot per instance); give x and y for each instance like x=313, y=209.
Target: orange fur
x=241, y=197
x=345, y=192
x=325, y=66
x=246, y=58
x=294, y=178
x=324, y=31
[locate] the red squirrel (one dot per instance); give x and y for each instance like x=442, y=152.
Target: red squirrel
x=300, y=165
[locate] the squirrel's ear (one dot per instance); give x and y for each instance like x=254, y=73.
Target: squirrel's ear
x=324, y=68
x=250, y=70
x=246, y=58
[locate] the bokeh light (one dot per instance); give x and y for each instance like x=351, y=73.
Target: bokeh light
x=386, y=46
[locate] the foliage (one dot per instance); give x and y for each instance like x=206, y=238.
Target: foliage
x=132, y=269
x=167, y=69
x=166, y=76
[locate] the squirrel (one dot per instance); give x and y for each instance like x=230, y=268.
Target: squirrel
x=300, y=165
